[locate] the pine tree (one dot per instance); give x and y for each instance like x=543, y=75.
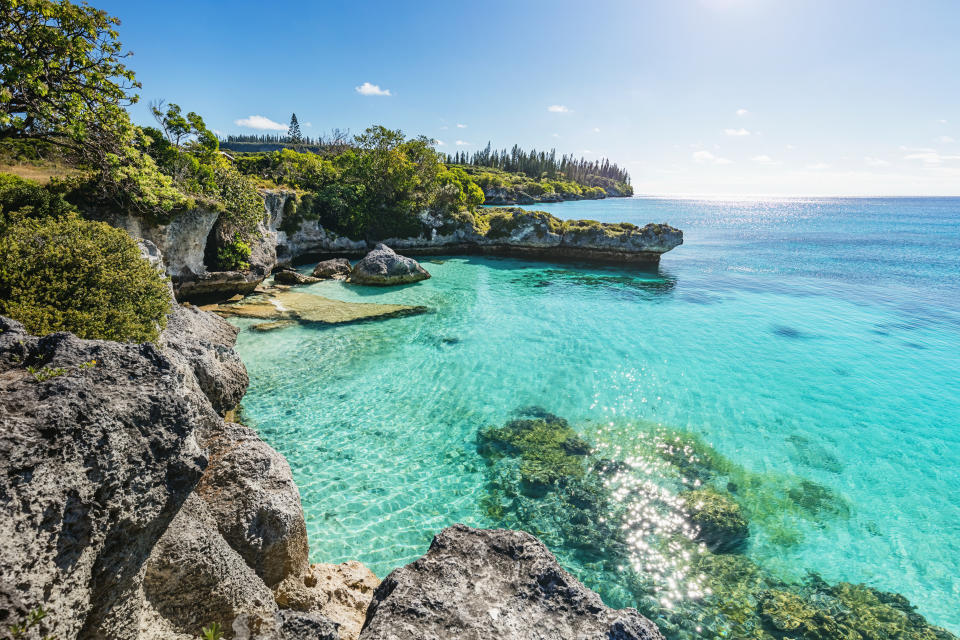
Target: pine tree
x=294, y=131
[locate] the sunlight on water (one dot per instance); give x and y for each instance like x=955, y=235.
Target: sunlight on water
x=798, y=355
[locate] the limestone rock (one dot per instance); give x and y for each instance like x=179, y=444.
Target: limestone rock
x=333, y=268
x=340, y=592
x=307, y=308
x=251, y=496
x=289, y=276
x=383, y=266
x=205, y=342
x=97, y=455
x=194, y=577
x=476, y=583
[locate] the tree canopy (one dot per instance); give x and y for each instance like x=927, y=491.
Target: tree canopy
x=61, y=71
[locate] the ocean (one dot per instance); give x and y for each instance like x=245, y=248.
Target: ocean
x=812, y=345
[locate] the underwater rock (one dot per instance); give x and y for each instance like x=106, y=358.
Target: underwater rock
x=493, y=583
x=289, y=276
x=307, y=308
x=333, y=268
x=718, y=518
x=384, y=267
x=273, y=326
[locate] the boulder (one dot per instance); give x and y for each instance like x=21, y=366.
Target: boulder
x=194, y=578
x=205, y=343
x=289, y=276
x=340, y=592
x=333, y=268
x=98, y=452
x=475, y=583
x=383, y=266
x=251, y=496
x=717, y=518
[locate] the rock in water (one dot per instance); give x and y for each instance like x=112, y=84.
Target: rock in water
x=289, y=276
x=335, y=268
x=383, y=266
x=493, y=583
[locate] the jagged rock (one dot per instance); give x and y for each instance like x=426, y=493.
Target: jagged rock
x=206, y=341
x=340, y=592
x=289, y=276
x=194, y=577
x=306, y=308
x=333, y=268
x=97, y=454
x=475, y=583
x=295, y=625
x=383, y=266
x=251, y=496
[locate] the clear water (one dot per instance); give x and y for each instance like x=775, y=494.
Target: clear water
x=819, y=338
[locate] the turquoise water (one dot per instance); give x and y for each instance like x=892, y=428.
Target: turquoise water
x=810, y=338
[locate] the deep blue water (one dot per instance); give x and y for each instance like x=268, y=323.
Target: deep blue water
x=810, y=338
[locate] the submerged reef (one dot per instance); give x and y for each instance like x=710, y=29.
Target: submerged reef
x=665, y=527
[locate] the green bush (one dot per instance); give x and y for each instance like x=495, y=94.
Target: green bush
x=21, y=198
x=80, y=276
x=235, y=256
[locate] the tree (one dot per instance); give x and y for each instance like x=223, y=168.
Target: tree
x=61, y=71
x=294, y=131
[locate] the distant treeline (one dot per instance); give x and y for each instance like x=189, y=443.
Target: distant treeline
x=541, y=164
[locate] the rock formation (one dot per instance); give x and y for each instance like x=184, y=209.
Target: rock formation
x=493, y=583
x=333, y=268
x=289, y=276
x=277, y=306
x=384, y=267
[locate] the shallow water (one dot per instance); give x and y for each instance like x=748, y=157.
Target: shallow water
x=809, y=338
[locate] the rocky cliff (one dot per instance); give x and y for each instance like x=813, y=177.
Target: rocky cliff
x=131, y=508
x=190, y=242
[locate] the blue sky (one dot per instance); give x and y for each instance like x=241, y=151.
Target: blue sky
x=780, y=97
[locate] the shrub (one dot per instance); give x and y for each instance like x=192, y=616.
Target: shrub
x=235, y=255
x=80, y=276
x=21, y=198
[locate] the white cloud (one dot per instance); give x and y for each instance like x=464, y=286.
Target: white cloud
x=308, y=124
x=818, y=166
x=367, y=89
x=945, y=139
x=587, y=152
x=463, y=143
x=789, y=147
x=736, y=132
x=764, y=159
x=930, y=156
x=555, y=135
x=440, y=143
x=942, y=121
x=596, y=129
x=558, y=108
x=704, y=157
x=742, y=112
x=875, y=162
x=461, y=126
x=260, y=122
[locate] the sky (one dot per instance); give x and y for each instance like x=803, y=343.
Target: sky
x=693, y=97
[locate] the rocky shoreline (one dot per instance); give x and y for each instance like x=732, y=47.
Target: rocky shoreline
x=190, y=238
x=137, y=509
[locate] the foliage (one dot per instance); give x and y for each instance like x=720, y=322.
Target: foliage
x=504, y=221
x=46, y=373
x=235, y=255
x=30, y=627
x=80, y=276
x=293, y=131
x=213, y=631
x=22, y=199
x=61, y=71
x=545, y=166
